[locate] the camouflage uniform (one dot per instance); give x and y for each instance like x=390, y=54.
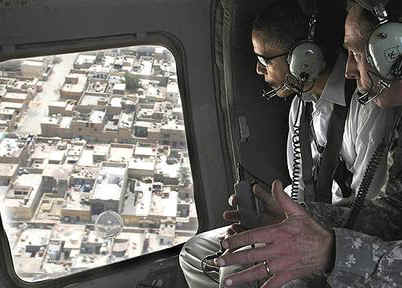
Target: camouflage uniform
x=363, y=260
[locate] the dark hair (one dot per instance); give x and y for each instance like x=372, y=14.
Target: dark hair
x=283, y=24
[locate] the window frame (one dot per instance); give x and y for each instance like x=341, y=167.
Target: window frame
x=160, y=38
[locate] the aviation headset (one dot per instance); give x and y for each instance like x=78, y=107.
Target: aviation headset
x=384, y=48
x=305, y=58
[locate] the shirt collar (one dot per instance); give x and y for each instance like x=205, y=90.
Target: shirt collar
x=334, y=90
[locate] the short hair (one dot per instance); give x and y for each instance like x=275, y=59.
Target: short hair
x=283, y=24
x=393, y=8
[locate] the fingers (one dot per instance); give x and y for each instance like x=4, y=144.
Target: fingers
x=279, y=256
x=247, y=256
x=253, y=273
x=231, y=215
x=262, y=194
x=259, y=235
x=285, y=202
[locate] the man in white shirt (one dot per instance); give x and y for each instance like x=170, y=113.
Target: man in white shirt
x=365, y=125
x=273, y=37
x=301, y=245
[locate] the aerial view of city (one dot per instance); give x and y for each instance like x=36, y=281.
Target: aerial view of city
x=94, y=167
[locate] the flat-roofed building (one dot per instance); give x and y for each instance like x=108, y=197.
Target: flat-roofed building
x=84, y=61
x=137, y=204
x=167, y=171
x=115, y=106
x=173, y=93
x=19, y=107
x=173, y=134
x=125, y=126
x=84, y=175
x=90, y=102
x=73, y=87
x=89, y=126
x=23, y=197
x=13, y=150
x=8, y=118
x=119, y=89
x=16, y=97
x=141, y=168
x=144, y=151
x=76, y=206
x=35, y=69
x=164, y=206
x=8, y=173
x=141, y=128
x=99, y=72
x=71, y=235
x=74, y=152
x=57, y=107
x=121, y=152
x=108, y=190
x=56, y=179
x=101, y=153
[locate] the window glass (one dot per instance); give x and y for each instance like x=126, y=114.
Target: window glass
x=94, y=167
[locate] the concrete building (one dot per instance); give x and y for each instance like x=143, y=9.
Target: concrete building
x=99, y=72
x=167, y=172
x=8, y=119
x=8, y=173
x=90, y=102
x=145, y=151
x=19, y=107
x=84, y=61
x=57, y=126
x=56, y=179
x=35, y=69
x=141, y=167
x=137, y=204
x=62, y=108
x=119, y=89
x=173, y=93
x=109, y=189
x=89, y=126
x=82, y=175
x=101, y=153
x=173, y=134
x=121, y=152
x=13, y=150
x=76, y=206
x=23, y=197
x=73, y=87
x=23, y=98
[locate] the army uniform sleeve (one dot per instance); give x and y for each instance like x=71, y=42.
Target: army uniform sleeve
x=365, y=261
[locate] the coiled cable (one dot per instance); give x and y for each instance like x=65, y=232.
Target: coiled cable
x=297, y=165
x=368, y=176
x=380, y=152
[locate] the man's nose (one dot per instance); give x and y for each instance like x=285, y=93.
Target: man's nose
x=351, y=71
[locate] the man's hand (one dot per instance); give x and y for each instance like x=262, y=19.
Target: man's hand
x=272, y=212
x=295, y=248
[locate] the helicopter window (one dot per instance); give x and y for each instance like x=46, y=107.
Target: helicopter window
x=94, y=166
